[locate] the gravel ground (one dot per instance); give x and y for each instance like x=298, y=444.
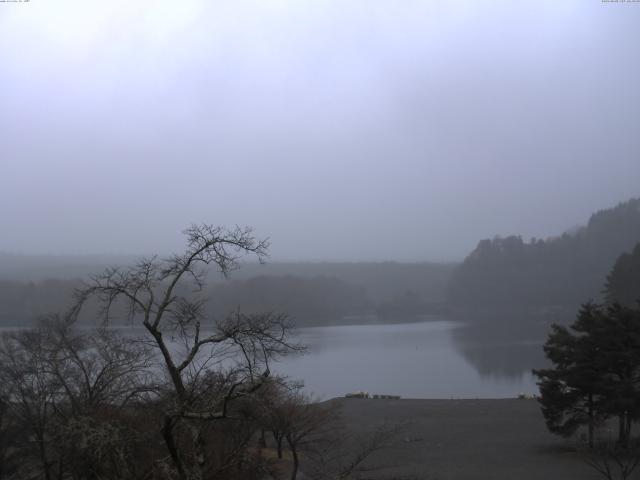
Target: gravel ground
x=468, y=439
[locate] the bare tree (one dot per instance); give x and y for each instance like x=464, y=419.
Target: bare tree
x=613, y=460
x=355, y=465
x=271, y=406
x=209, y=364
x=31, y=395
x=306, y=425
x=343, y=455
x=318, y=438
x=96, y=368
x=59, y=384
x=10, y=433
x=294, y=417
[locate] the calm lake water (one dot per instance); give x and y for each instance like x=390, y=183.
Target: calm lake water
x=436, y=359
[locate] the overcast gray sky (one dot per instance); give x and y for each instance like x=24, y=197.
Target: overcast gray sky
x=341, y=129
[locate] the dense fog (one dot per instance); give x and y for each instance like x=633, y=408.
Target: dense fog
x=330, y=240
x=344, y=131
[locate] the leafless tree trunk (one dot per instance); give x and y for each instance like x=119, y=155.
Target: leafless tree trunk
x=296, y=461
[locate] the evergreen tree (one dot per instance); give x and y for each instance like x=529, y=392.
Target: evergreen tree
x=595, y=373
x=618, y=341
x=623, y=282
x=570, y=391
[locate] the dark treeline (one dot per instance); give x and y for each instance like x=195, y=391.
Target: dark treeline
x=312, y=294
x=510, y=292
x=505, y=344
x=23, y=302
x=545, y=275
x=36, y=268
x=623, y=283
x=87, y=404
x=328, y=300
x=382, y=281
x=533, y=278
x=310, y=301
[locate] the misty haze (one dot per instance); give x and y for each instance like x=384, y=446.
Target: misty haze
x=319, y=240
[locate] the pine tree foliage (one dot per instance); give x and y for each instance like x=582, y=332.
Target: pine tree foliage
x=595, y=373
x=623, y=283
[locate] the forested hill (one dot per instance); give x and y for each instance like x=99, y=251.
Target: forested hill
x=311, y=293
x=557, y=272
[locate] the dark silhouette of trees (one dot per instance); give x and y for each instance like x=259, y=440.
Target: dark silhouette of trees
x=316, y=436
x=310, y=298
x=304, y=423
x=508, y=272
x=623, y=282
x=314, y=300
x=595, y=373
x=570, y=391
x=210, y=364
x=180, y=394
x=62, y=389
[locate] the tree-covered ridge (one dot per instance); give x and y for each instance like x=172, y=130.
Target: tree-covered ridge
x=559, y=271
x=312, y=293
x=313, y=300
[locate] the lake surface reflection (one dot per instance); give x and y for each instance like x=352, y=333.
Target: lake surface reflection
x=415, y=360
